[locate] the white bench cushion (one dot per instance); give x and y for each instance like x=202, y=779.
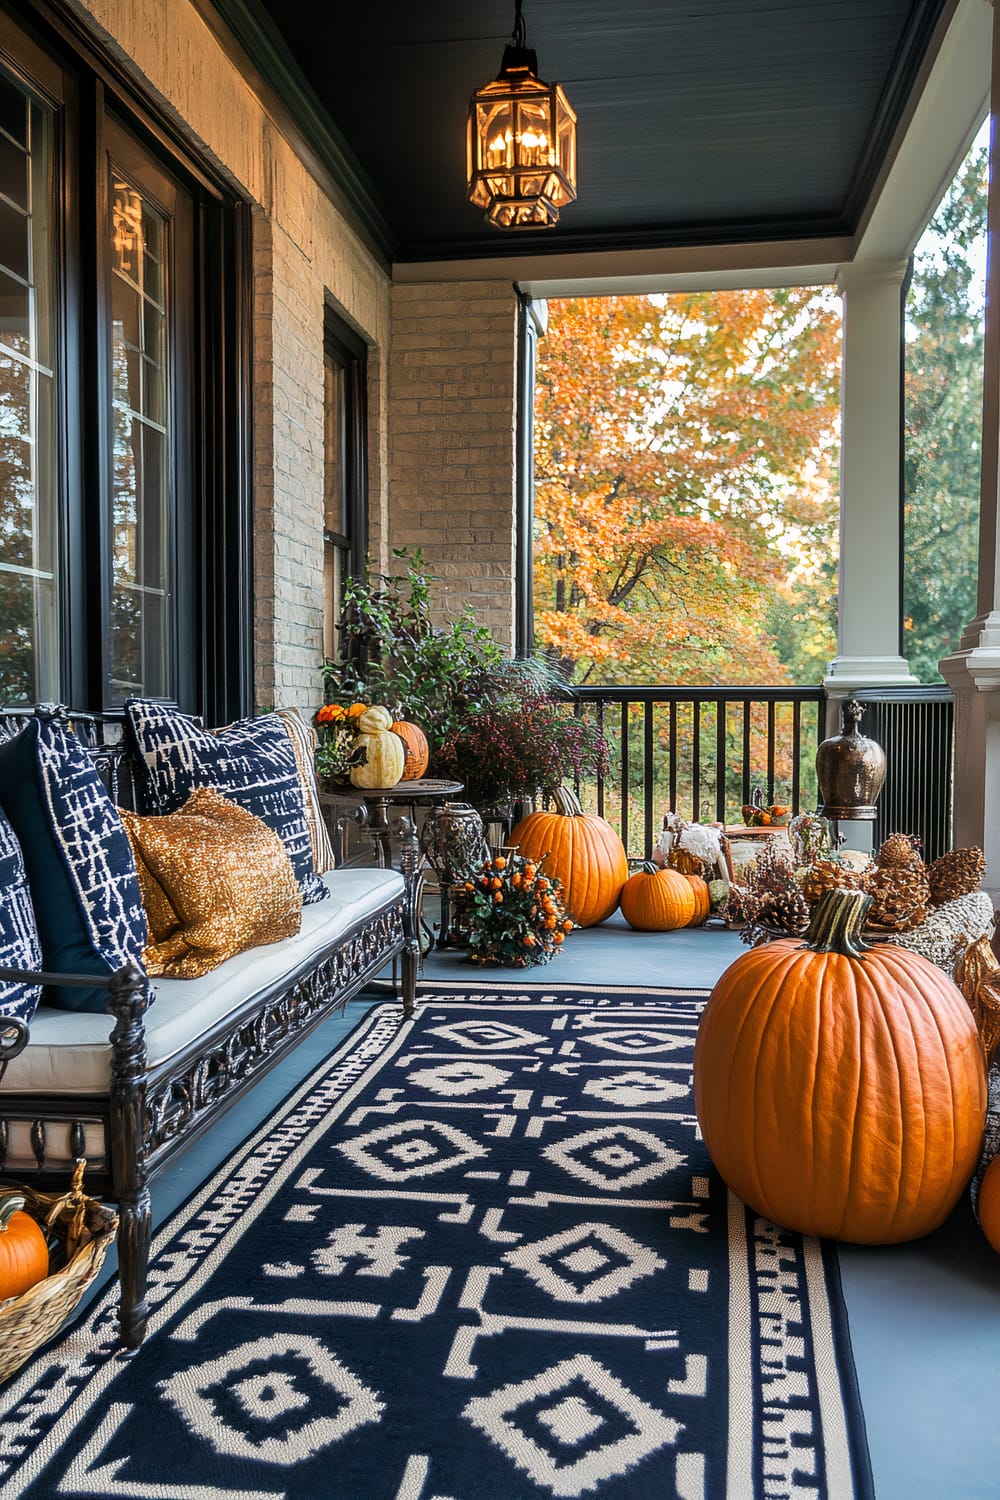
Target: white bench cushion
x=69, y=1052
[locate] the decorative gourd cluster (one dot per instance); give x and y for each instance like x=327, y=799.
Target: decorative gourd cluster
x=757, y=814
x=514, y=912
x=367, y=744
x=588, y=856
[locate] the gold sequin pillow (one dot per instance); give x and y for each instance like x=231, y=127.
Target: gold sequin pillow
x=215, y=881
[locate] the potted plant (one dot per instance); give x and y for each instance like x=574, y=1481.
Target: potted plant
x=500, y=725
x=519, y=748
x=513, y=913
x=393, y=653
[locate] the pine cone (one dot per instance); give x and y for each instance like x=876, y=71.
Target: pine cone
x=899, y=849
x=788, y=911
x=900, y=897
x=955, y=874
x=827, y=875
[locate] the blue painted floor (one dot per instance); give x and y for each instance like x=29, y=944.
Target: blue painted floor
x=925, y=1317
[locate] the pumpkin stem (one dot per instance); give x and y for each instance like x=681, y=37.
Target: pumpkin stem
x=837, y=922
x=10, y=1203
x=648, y=868
x=566, y=802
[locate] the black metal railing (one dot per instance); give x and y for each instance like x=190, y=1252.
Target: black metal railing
x=700, y=752
x=916, y=729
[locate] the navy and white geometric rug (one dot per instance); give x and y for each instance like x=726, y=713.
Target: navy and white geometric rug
x=481, y=1255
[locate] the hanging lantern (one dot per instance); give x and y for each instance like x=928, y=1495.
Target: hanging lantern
x=521, y=143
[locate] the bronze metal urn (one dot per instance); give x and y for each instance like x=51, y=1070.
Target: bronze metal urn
x=850, y=770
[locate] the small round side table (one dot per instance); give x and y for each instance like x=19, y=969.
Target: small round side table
x=407, y=795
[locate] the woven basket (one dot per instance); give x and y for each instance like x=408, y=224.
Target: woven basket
x=82, y=1230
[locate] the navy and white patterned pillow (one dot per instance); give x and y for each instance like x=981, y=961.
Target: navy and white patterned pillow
x=18, y=934
x=82, y=877
x=251, y=762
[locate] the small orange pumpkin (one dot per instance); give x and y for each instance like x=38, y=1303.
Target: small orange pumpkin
x=657, y=900
x=841, y=1088
x=702, y=900
x=988, y=1203
x=415, y=748
x=584, y=851
x=24, y=1255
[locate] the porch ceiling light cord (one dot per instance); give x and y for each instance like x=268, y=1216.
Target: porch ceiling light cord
x=521, y=142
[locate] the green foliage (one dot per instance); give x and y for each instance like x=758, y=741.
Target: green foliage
x=494, y=723
x=394, y=654
x=943, y=415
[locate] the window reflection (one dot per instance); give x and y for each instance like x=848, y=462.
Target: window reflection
x=141, y=605
x=28, y=431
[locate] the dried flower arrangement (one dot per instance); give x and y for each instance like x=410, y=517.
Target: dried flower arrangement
x=513, y=913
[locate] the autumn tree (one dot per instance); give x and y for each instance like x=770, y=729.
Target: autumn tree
x=943, y=422
x=685, y=452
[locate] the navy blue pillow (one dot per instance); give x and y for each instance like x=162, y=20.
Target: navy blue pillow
x=18, y=934
x=252, y=762
x=81, y=874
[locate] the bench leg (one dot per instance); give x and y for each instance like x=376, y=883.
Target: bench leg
x=408, y=967
x=128, y=998
x=134, y=1229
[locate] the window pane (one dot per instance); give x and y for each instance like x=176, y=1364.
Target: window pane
x=142, y=608
x=13, y=110
x=335, y=485
x=29, y=618
x=15, y=251
x=14, y=172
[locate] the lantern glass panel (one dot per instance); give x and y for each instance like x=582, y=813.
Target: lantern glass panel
x=566, y=140
x=534, y=133
x=495, y=125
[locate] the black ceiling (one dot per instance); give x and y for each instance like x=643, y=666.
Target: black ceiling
x=700, y=120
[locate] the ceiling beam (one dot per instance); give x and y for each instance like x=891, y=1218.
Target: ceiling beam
x=618, y=272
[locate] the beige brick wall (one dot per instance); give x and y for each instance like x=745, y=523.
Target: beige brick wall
x=305, y=256
x=452, y=373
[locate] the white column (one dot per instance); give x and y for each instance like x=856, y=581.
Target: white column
x=973, y=672
x=870, y=504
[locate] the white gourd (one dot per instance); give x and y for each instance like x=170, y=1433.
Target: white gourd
x=385, y=755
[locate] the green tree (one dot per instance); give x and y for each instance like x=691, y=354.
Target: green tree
x=943, y=415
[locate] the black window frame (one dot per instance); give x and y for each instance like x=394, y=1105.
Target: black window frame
x=349, y=353
x=214, y=584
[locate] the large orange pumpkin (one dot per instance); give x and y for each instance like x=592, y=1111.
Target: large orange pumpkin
x=24, y=1255
x=840, y=1088
x=584, y=851
x=655, y=900
x=702, y=900
x=415, y=748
